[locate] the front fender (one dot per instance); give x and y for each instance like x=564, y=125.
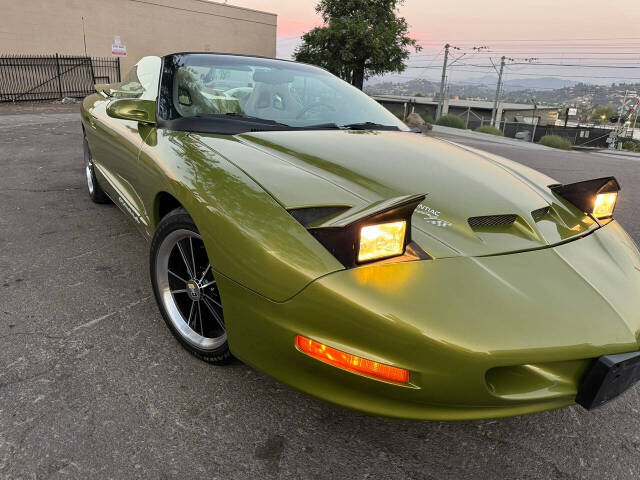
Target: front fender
x=249, y=237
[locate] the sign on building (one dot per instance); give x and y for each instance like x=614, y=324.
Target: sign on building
x=117, y=48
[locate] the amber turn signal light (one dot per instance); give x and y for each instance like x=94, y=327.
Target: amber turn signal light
x=352, y=363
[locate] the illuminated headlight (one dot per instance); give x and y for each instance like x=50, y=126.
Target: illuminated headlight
x=604, y=205
x=382, y=240
x=595, y=197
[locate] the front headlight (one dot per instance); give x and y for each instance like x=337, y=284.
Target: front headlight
x=604, y=205
x=382, y=241
x=377, y=232
x=594, y=197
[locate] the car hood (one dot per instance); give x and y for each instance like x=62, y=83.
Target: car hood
x=358, y=168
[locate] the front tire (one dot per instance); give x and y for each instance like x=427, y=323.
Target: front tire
x=186, y=290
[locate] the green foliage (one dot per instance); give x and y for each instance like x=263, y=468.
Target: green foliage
x=428, y=118
x=601, y=111
x=490, y=130
x=359, y=38
x=630, y=145
x=555, y=141
x=451, y=121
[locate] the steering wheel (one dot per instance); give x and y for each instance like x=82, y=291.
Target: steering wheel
x=311, y=106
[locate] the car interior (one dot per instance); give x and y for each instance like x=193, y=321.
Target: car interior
x=266, y=94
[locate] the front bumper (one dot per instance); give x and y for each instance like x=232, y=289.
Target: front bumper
x=481, y=337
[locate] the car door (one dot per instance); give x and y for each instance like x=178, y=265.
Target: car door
x=120, y=140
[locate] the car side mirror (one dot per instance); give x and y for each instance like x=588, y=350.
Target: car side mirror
x=143, y=111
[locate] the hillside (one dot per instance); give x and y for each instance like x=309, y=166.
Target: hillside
x=546, y=90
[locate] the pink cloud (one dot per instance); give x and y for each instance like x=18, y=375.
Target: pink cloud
x=295, y=27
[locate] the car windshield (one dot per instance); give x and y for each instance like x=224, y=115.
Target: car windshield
x=277, y=92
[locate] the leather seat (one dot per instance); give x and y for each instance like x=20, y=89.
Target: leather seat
x=273, y=102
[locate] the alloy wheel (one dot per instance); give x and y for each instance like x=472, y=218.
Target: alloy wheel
x=189, y=291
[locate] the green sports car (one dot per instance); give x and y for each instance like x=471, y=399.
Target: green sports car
x=297, y=225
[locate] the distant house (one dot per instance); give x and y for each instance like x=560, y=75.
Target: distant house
x=473, y=112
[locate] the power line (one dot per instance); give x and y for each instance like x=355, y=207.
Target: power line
x=576, y=76
x=583, y=65
x=578, y=65
x=460, y=41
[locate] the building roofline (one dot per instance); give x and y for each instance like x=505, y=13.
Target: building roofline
x=238, y=7
x=481, y=104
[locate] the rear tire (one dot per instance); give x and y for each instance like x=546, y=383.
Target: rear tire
x=95, y=192
x=186, y=290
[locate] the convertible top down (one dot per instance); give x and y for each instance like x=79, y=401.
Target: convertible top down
x=301, y=227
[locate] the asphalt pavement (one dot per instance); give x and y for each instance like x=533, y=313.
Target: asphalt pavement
x=93, y=385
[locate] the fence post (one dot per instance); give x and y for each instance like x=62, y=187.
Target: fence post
x=93, y=73
x=119, y=78
x=59, y=75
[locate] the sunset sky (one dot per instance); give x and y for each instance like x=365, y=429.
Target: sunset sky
x=567, y=32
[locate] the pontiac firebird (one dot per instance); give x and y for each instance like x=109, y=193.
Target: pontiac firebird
x=299, y=226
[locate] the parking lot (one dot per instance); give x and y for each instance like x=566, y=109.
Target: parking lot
x=93, y=385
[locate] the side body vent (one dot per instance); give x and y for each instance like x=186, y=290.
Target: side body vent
x=308, y=216
x=492, y=221
x=539, y=213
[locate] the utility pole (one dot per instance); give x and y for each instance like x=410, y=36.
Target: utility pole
x=494, y=113
x=621, y=110
x=534, y=119
x=444, y=75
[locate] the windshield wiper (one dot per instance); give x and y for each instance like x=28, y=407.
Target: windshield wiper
x=238, y=117
x=369, y=126
x=319, y=126
x=322, y=126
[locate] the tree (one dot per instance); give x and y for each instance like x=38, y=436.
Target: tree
x=603, y=113
x=359, y=38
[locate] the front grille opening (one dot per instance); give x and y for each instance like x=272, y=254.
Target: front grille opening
x=492, y=221
x=539, y=213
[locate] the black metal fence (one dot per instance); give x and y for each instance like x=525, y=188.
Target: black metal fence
x=580, y=136
x=29, y=78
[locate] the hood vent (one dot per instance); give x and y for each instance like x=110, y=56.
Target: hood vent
x=539, y=213
x=492, y=221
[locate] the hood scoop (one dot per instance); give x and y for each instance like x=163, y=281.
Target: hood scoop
x=492, y=221
x=540, y=213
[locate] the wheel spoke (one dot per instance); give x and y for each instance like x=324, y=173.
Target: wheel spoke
x=215, y=302
x=182, y=290
x=184, y=259
x=200, y=316
x=206, y=270
x=193, y=261
x=215, y=315
x=190, y=313
x=178, y=277
x=212, y=282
